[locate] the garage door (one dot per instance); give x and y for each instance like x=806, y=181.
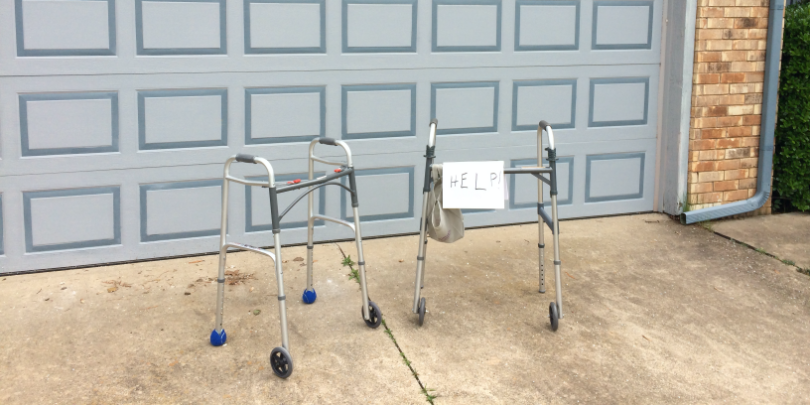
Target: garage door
x=116, y=116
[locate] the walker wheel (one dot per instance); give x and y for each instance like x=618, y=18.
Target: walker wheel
x=309, y=296
x=374, y=315
x=218, y=338
x=422, y=311
x=554, y=315
x=281, y=362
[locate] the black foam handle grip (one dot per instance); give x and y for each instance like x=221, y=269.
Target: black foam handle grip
x=327, y=141
x=434, y=122
x=543, y=124
x=244, y=158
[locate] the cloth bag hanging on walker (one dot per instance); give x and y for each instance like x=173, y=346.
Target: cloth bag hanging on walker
x=443, y=225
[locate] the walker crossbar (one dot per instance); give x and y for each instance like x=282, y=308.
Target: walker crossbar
x=552, y=221
x=280, y=358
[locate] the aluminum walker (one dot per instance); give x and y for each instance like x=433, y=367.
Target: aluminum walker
x=555, y=308
x=280, y=359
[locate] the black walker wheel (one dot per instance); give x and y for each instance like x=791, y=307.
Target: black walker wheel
x=374, y=315
x=422, y=311
x=281, y=362
x=554, y=316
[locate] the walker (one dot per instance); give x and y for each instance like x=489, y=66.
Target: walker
x=280, y=359
x=555, y=308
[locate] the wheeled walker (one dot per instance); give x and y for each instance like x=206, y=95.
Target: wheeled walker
x=280, y=359
x=555, y=308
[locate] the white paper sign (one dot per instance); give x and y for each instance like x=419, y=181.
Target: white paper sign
x=478, y=185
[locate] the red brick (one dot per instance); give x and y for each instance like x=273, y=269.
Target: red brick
x=752, y=120
x=735, y=132
x=716, y=111
x=735, y=174
x=732, y=77
x=727, y=143
x=748, y=163
x=731, y=196
x=710, y=198
x=712, y=133
x=733, y=164
x=748, y=183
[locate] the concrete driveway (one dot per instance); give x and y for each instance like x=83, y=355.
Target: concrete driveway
x=655, y=312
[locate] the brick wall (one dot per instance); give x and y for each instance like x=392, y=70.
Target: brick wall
x=726, y=101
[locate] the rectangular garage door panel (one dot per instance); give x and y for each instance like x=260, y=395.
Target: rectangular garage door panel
x=291, y=114
x=465, y=107
x=70, y=219
x=614, y=177
x=466, y=25
x=619, y=101
x=66, y=27
x=187, y=27
x=623, y=24
x=378, y=111
x=547, y=25
x=178, y=119
x=180, y=210
x=379, y=26
x=551, y=100
x=284, y=27
x=57, y=124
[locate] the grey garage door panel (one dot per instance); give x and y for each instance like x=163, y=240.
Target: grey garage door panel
x=146, y=135
x=156, y=212
x=148, y=44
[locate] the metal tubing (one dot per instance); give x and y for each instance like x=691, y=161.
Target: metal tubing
x=422, y=250
x=327, y=162
x=361, y=262
x=557, y=264
x=282, y=302
x=335, y=220
x=222, y=251
x=310, y=225
x=420, y=255
x=248, y=182
x=249, y=248
x=540, y=220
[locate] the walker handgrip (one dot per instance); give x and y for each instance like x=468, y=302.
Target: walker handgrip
x=543, y=124
x=244, y=158
x=327, y=141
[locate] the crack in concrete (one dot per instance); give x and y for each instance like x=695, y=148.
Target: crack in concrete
x=425, y=390
x=761, y=251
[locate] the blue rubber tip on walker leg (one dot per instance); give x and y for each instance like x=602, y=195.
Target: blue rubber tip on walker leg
x=218, y=338
x=309, y=296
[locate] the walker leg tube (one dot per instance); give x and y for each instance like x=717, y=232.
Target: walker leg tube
x=424, y=265
x=557, y=263
x=282, y=299
x=222, y=252
x=420, y=256
x=220, y=290
x=310, y=229
x=540, y=222
x=361, y=262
